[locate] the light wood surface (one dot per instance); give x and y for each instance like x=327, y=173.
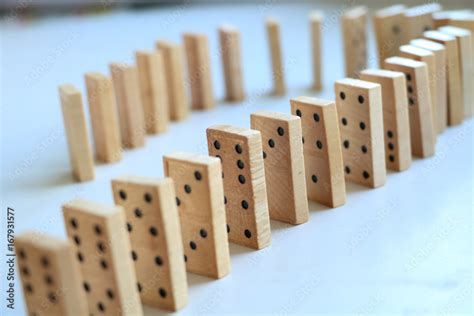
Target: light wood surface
x=200, y=200
x=390, y=30
x=284, y=165
x=359, y=106
x=274, y=46
x=155, y=235
x=80, y=152
x=396, y=121
x=241, y=154
x=229, y=40
x=50, y=277
x=354, y=36
x=315, y=24
x=323, y=162
x=419, y=19
x=423, y=135
x=102, y=249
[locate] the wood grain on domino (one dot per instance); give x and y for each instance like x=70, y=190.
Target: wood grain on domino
x=354, y=35
x=389, y=30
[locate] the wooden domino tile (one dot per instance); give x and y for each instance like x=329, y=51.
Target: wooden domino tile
x=155, y=236
x=80, y=152
x=103, y=251
x=453, y=75
x=199, y=70
x=419, y=19
x=389, y=30
x=323, y=163
x=284, y=165
x=174, y=74
x=441, y=86
x=200, y=200
x=443, y=18
x=104, y=117
x=274, y=45
x=315, y=22
x=359, y=107
x=422, y=133
x=396, y=122
x=229, y=39
x=127, y=93
x=354, y=34
x=241, y=153
x=426, y=56
x=466, y=58
x=153, y=92
x=52, y=283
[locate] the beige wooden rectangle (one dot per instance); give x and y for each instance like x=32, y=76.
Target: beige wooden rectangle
x=423, y=136
x=354, y=35
x=155, y=235
x=284, y=165
x=240, y=150
x=80, y=152
x=200, y=200
x=103, y=251
x=389, y=30
x=420, y=19
x=315, y=23
x=396, y=122
x=322, y=150
x=229, y=39
x=359, y=106
x=52, y=283
x=274, y=45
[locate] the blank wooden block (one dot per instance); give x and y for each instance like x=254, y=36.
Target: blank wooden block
x=426, y=56
x=199, y=70
x=104, y=119
x=389, y=30
x=316, y=20
x=354, y=34
x=127, y=93
x=466, y=57
x=229, y=39
x=52, y=284
x=441, y=86
x=80, y=153
x=396, y=122
x=155, y=236
x=154, y=95
x=359, y=106
x=284, y=165
x=274, y=45
x=419, y=19
x=423, y=137
x=443, y=18
x=103, y=251
x=453, y=75
x=200, y=200
x=174, y=73
x=240, y=151
x=322, y=150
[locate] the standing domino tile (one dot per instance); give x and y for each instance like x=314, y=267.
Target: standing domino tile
x=127, y=93
x=315, y=20
x=155, y=236
x=178, y=106
x=284, y=165
x=443, y=18
x=103, y=113
x=200, y=200
x=354, y=33
x=104, y=255
x=229, y=39
x=390, y=30
x=423, y=137
x=50, y=276
x=151, y=76
x=80, y=152
x=441, y=86
x=274, y=45
x=423, y=55
x=396, y=121
x=240, y=151
x=419, y=19
x=453, y=75
x=359, y=105
x=199, y=70
x=466, y=57
x=322, y=150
